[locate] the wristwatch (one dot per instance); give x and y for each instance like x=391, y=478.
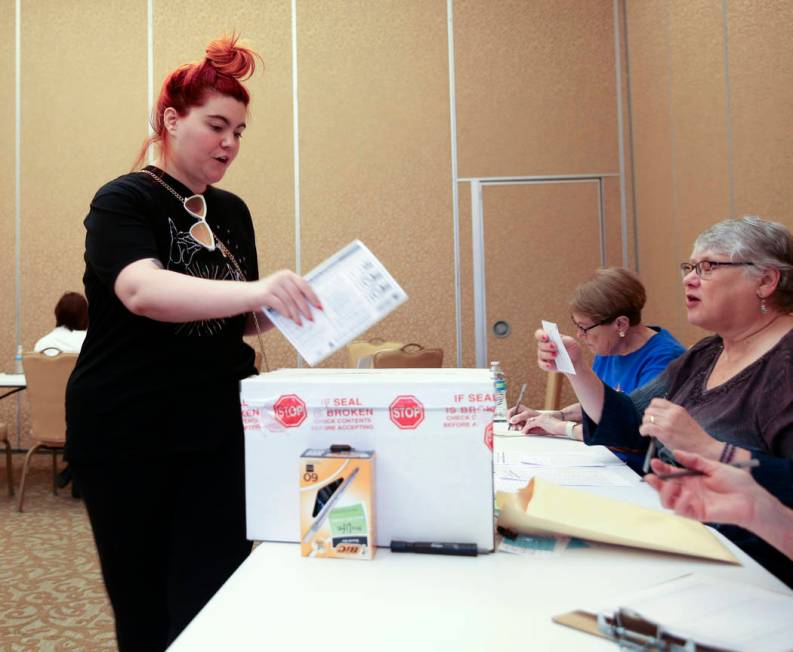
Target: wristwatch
x=569, y=426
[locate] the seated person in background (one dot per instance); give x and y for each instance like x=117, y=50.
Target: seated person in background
x=730, y=396
x=71, y=322
x=607, y=313
x=724, y=494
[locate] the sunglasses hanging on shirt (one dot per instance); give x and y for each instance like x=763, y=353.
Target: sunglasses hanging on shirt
x=196, y=206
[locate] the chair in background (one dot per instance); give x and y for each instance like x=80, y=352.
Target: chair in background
x=410, y=355
x=553, y=391
x=46, y=377
x=361, y=352
x=9, y=460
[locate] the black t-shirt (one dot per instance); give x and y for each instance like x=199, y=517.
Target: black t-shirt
x=141, y=384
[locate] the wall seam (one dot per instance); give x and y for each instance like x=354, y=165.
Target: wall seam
x=631, y=146
x=18, y=196
x=296, y=150
x=455, y=181
x=149, y=75
x=728, y=110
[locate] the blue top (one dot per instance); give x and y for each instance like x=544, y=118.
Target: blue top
x=627, y=372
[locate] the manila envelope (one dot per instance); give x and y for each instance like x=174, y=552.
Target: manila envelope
x=545, y=508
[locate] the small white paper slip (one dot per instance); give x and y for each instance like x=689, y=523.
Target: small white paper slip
x=563, y=362
x=356, y=292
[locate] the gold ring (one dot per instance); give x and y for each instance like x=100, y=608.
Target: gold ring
x=652, y=419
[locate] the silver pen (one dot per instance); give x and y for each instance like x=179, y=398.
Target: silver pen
x=517, y=404
x=326, y=508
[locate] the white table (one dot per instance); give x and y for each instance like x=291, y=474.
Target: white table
x=14, y=382
x=278, y=600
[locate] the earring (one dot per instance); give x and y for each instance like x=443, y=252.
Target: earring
x=763, y=306
x=622, y=333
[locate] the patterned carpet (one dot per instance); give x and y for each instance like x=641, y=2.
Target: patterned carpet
x=51, y=591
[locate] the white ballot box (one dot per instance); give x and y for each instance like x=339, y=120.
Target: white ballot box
x=431, y=430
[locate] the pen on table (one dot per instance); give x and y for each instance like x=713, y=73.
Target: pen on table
x=746, y=464
x=517, y=403
x=436, y=548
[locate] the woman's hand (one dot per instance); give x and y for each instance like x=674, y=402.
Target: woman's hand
x=723, y=494
x=676, y=429
x=287, y=293
x=518, y=415
x=546, y=351
x=543, y=423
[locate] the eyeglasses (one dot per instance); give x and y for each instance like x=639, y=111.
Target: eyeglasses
x=200, y=232
x=585, y=329
x=704, y=268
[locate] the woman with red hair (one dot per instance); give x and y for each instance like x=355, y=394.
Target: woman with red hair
x=154, y=428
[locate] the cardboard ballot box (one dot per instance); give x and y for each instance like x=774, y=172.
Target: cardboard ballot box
x=430, y=429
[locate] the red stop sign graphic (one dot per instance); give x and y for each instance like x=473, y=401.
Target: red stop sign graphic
x=290, y=410
x=406, y=412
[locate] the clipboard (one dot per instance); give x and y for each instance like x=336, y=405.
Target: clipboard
x=630, y=631
x=693, y=612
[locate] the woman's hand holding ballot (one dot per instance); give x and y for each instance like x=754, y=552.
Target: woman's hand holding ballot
x=287, y=293
x=676, y=429
x=585, y=383
x=547, y=352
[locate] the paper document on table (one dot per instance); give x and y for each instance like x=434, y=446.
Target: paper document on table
x=591, y=456
x=507, y=485
x=543, y=507
x=567, y=476
x=563, y=361
x=712, y=612
x=356, y=292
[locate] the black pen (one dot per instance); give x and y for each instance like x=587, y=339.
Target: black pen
x=747, y=464
x=436, y=548
x=517, y=404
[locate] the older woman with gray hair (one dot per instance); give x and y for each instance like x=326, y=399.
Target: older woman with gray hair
x=730, y=396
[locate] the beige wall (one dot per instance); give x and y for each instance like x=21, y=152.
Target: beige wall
x=536, y=94
x=711, y=92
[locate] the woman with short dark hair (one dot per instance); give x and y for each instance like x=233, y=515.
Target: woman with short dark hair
x=71, y=320
x=607, y=313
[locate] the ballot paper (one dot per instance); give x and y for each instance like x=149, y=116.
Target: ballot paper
x=563, y=362
x=356, y=292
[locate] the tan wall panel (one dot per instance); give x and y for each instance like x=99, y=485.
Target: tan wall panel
x=79, y=129
x=375, y=153
x=7, y=209
x=535, y=87
x=761, y=76
x=522, y=284
x=653, y=132
x=699, y=128
x=263, y=172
